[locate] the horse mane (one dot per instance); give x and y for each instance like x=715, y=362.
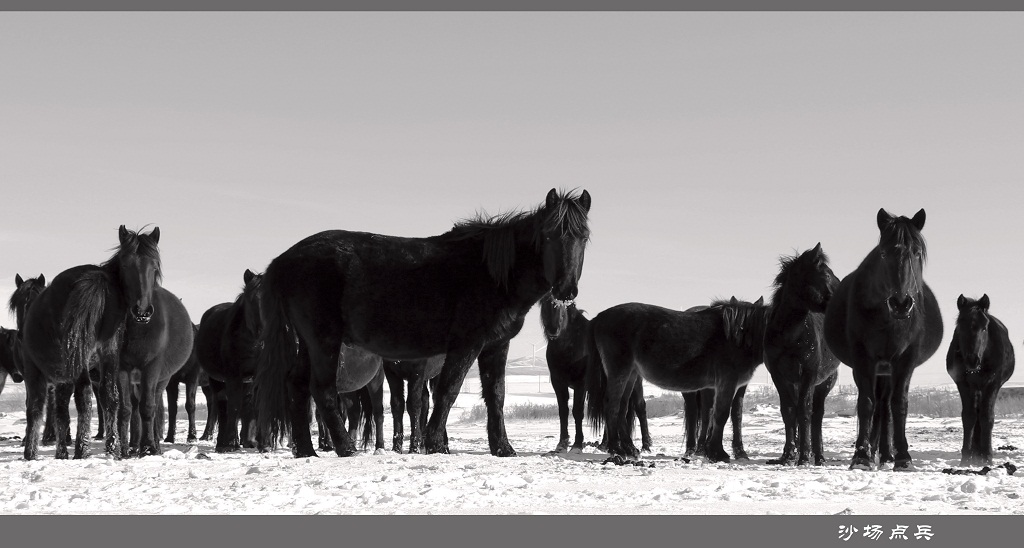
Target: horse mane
x=901, y=232
x=744, y=323
x=24, y=293
x=500, y=233
x=135, y=243
x=787, y=264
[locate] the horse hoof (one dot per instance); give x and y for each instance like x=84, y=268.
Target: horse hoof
x=504, y=450
x=576, y=451
x=860, y=464
x=903, y=466
x=228, y=449
x=380, y=451
x=783, y=461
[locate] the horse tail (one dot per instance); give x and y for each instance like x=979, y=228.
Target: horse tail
x=83, y=313
x=596, y=383
x=274, y=363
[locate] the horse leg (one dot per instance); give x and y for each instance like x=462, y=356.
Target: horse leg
x=83, y=405
x=211, y=413
x=135, y=418
x=736, y=416
x=247, y=416
x=323, y=441
x=898, y=412
x=969, y=419
x=787, y=408
x=35, y=404
x=227, y=415
x=640, y=407
x=190, y=410
x=150, y=394
x=61, y=417
x=706, y=421
x=865, y=414
x=49, y=433
x=397, y=386
x=172, y=411
x=323, y=387
x=579, y=397
x=377, y=405
x=884, y=419
x=724, y=394
x=818, y=416
x=492, y=362
x=986, y=422
x=417, y=405
x=449, y=381
x=97, y=392
x=804, y=404
x=562, y=397
x=691, y=407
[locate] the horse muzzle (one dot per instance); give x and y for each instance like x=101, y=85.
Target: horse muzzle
x=973, y=365
x=900, y=307
x=142, y=316
x=565, y=299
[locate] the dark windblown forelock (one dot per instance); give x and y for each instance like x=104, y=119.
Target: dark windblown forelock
x=788, y=264
x=137, y=244
x=901, y=233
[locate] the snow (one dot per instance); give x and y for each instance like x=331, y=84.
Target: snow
x=193, y=479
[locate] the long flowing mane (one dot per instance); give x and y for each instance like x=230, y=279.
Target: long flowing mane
x=744, y=323
x=501, y=233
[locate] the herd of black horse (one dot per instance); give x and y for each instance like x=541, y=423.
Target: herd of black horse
x=339, y=312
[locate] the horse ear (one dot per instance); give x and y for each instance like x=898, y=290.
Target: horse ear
x=248, y=276
x=585, y=200
x=760, y=301
x=18, y=280
x=155, y=235
x=122, y=234
x=960, y=302
x=42, y=279
x=552, y=199
x=817, y=249
x=983, y=302
x=733, y=300
x=918, y=220
x=883, y=218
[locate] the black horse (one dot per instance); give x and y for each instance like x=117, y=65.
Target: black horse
x=227, y=345
x=78, y=322
x=980, y=360
x=363, y=289
x=189, y=376
x=566, y=330
x=883, y=321
x=802, y=367
x=418, y=373
x=717, y=347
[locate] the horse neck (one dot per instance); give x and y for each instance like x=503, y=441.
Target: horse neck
x=784, y=314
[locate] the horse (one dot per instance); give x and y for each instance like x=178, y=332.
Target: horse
x=418, y=373
x=980, y=360
x=801, y=365
x=189, y=376
x=566, y=329
x=716, y=347
x=77, y=323
x=227, y=345
x=356, y=288
x=883, y=321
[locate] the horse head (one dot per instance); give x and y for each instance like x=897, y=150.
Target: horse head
x=138, y=267
x=972, y=331
x=563, y=239
x=25, y=292
x=10, y=363
x=901, y=254
x=554, y=316
x=251, y=302
x=809, y=277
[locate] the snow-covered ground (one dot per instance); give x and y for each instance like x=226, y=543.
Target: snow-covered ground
x=190, y=479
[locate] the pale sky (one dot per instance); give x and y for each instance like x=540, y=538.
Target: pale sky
x=711, y=143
